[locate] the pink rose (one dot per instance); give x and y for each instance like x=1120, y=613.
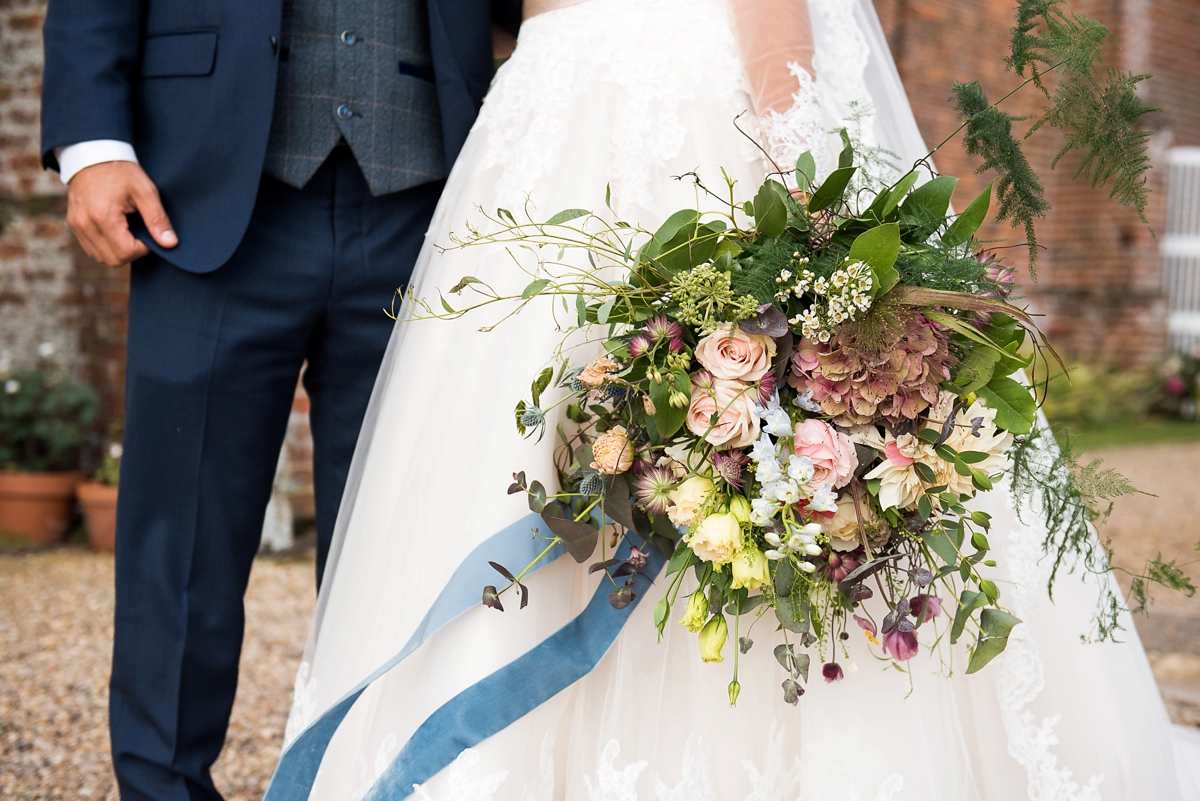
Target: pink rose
x=833, y=456
x=737, y=425
x=736, y=355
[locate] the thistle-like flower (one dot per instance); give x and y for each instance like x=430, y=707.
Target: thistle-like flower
x=639, y=345
x=729, y=464
x=653, y=492
x=662, y=329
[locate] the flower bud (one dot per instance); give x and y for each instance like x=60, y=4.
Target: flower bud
x=739, y=507
x=696, y=612
x=712, y=639
x=735, y=690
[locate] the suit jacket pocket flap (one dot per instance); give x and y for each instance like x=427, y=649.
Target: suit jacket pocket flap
x=176, y=55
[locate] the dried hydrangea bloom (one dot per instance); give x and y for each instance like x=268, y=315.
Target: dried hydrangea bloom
x=888, y=369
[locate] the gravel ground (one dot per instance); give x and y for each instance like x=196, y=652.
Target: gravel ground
x=55, y=642
x=56, y=629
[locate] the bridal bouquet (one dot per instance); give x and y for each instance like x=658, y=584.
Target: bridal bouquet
x=797, y=399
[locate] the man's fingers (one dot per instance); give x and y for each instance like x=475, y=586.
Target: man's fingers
x=149, y=205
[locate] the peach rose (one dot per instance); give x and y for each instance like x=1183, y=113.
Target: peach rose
x=735, y=355
x=734, y=401
x=597, y=372
x=833, y=456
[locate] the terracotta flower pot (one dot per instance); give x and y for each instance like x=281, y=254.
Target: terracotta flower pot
x=37, y=506
x=99, y=503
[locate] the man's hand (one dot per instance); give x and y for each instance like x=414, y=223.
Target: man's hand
x=99, y=197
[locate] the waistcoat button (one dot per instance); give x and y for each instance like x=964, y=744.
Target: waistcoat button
x=344, y=112
x=349, y=37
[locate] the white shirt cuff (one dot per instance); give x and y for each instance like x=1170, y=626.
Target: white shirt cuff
x=73, y=158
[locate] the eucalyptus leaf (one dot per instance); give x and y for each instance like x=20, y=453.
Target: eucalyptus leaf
x=579, y=537
x=567, y=216
x=535, y=287
x=806, y=170
x=986, y=649
x=969, y=601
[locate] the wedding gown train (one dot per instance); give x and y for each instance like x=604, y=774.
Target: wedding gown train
x=631, y=93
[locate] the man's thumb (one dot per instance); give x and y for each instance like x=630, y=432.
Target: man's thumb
x=149, y=205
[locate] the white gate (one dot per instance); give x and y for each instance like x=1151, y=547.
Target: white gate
x=1181, y=247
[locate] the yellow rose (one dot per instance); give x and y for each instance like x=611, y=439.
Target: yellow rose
x=750, y=569
x=712, y=639
x=696, y=613
x=687, y=498
x=739, y=507
x=612, y=452
x=717, y=539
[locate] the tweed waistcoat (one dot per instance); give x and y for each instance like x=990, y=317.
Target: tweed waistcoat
x=362, y=71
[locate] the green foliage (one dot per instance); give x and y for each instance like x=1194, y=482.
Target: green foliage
x=44, y=420
x=989, y=135
x=705, y=298
x=1090, y=396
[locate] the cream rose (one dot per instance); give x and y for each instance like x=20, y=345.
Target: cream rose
x=687, y=498
x=736, y=355
x=832, y=453
x=842, y=528
x=612, y=452
x=717, y=539
x=738, y=423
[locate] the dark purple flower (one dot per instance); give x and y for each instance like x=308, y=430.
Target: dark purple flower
x=925, y=607
x=638, y=345
x=832, y=672
x=637, y=559
x=900, y=645
x=729, y=465
x=838, y=565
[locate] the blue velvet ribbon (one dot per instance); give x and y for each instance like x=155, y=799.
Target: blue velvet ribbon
x=491, y=704
x=507, y=695
x=513, y=545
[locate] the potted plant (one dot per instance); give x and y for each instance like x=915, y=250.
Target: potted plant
x=44, y=420
x=98, y=497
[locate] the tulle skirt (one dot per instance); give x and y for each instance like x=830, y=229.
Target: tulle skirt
x=633, y=94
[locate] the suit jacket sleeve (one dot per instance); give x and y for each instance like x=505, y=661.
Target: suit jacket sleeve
x=92, y=51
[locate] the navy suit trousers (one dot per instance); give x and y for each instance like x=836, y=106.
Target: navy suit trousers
x=213, y=362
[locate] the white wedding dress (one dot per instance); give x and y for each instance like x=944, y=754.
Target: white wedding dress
x=631, y=93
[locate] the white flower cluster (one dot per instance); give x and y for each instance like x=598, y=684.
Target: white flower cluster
x=840, y=298
x=798, y=542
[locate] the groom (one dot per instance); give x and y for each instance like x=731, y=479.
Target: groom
x=270, y=167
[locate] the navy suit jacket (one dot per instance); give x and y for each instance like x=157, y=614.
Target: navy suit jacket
x=192, y=86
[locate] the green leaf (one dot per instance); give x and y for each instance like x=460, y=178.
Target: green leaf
x=832, y=189
x=793, y=613
x=567, y=216
x=1014, y=405
x=980, y=542
x=997, y=622
x=973, y=457
x=990, y=589
x=846, y=157
x=925, y=472
x=466, y=281
x=942, y=545
x=879, y=247
x=682, y=559
x=605, y=310
x=581, y=310
x=931, y=199
x=899, y=192
x=968, y=602
x=975, y=369
x=667, y=418
x=537, y=497
x=535, y=287
x=987, y=649
x=770, y=213
x=449, y=309
x=806, y=170
x=539, y=385
x=924, y=507
x=967, y=223
x=661, y=612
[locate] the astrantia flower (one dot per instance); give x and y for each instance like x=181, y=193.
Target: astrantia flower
x=661, y=329
x=767, y=389
x=729, y=464
x=638, y=345
x=900, y=645
x=832, y=672
x=653, y=492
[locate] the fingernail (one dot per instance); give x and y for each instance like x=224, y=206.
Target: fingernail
x=168, y=238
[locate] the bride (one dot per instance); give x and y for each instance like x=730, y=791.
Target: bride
x=403, y=682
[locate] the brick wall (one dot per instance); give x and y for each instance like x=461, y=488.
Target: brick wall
x=1099, y=271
